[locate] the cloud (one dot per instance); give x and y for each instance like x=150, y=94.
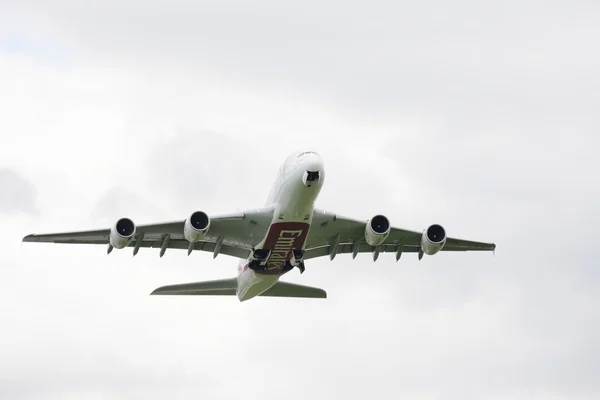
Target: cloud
x=118, y=202
x=198, y=169
x=17, y=194
x=480, y=118
x=384, y=58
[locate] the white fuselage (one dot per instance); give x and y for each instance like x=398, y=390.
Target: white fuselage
x=293, y=197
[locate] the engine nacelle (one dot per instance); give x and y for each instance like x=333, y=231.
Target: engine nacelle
x=122, y=233
x=433, y=239
x=196, y=226
x=377, y=230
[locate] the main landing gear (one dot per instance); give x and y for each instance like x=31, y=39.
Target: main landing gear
x=260, y=259
x=297, y=261
x=289, y=266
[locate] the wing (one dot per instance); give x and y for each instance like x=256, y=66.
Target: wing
x=331, y=234
x=232, y=234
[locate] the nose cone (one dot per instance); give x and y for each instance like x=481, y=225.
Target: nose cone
x=312, y=162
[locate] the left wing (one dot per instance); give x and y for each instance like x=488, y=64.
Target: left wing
x=331, y=234
x=231, y=234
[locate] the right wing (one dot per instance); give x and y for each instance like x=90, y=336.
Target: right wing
x=231, y=234
x=331, y=234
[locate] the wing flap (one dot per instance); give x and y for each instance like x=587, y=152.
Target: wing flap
x=346, y=248
x=232, y=250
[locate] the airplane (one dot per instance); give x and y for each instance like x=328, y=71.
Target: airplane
x=272, y=240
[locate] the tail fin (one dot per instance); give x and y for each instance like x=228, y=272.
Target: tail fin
x=228, y=287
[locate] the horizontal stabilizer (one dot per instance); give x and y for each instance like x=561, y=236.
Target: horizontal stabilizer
x=220, y=287
x=286, y=289
x=228, y=287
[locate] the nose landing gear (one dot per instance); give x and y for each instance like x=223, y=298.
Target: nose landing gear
x=310, y=177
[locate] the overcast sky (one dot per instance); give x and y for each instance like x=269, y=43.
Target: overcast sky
x=482, y=117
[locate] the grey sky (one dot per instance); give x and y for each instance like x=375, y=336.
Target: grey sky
x=17, y=194
x=480, y=117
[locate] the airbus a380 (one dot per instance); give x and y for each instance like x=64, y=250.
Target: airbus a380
x=272, y=240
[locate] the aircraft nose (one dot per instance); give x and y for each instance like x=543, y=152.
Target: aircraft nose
x=313, y=169
x=312, y=162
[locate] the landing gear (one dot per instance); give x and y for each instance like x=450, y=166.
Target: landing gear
x=255, y=265
x=298, y=254
x=297, y=260
x=310, y=177
x=289, y=266
x=261, y=254
x=258, y=260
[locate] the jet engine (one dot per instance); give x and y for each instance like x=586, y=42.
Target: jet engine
x=196, y=226
x=433, y=239
x=121, y=234
x=377, y=230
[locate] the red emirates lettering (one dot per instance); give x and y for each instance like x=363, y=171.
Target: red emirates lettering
x=283, y=247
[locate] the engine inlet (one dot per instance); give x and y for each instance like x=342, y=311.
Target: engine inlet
x=125, y=227
x=436, y=234
x=380, y=224
x=199, y=220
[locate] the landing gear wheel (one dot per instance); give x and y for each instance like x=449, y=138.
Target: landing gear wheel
x=261, y=254
x=259, y=259
x=288, y=266
x=298, y=254
x=255, y=265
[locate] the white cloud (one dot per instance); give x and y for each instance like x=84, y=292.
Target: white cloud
x=17, y=194
x=481, y=118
